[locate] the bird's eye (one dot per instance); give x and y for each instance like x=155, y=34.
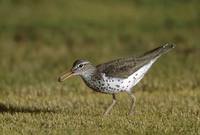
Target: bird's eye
x=80, y=66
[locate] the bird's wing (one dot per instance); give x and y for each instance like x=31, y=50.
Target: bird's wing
x=124, y=67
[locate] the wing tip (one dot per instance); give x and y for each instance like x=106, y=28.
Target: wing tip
x=169, y=46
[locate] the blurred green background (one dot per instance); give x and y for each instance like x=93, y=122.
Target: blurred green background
x=39, y=39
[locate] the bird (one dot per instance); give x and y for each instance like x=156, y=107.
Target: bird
x=115, y=76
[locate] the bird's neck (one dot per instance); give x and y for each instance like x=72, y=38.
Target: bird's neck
x=88, y=78
x=88, y=74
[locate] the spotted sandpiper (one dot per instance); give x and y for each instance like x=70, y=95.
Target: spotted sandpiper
x=115, y=76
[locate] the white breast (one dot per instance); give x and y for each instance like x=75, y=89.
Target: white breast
x=121, y=84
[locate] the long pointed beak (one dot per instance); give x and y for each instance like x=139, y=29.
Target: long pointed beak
x=64, y=76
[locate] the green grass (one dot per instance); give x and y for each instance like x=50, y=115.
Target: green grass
x=39, y=39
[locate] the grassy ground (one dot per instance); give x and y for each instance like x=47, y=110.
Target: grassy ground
x=40, y=38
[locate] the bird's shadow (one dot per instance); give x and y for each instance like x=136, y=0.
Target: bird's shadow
x=21, y=109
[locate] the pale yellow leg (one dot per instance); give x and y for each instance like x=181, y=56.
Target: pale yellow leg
x=111, y=106
x=133, y=101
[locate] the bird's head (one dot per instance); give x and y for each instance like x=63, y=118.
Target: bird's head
x=80, y=67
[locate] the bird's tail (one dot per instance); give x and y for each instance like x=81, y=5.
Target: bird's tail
x=157, y=52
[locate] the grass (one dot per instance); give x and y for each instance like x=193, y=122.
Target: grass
x=40, y=39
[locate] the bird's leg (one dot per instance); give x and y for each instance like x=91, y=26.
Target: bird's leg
x=133, y=101
x=111, y=106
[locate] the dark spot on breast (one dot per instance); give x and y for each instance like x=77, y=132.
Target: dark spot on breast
x=118, y=80
x=102, y=88
x=129, y=81
x=136, y=74
x=117, y=86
